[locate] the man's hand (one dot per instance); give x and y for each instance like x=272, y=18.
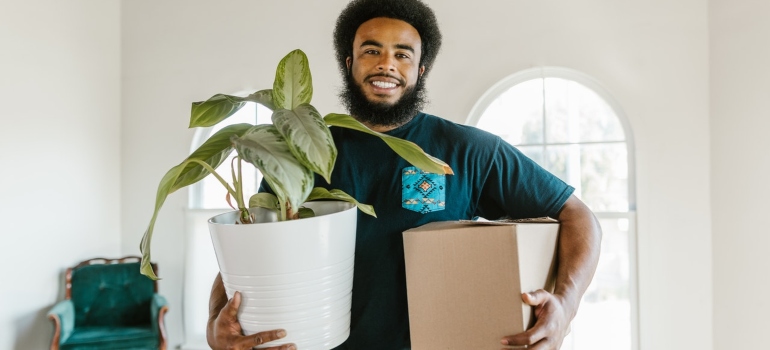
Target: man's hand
x=224, y=331
x=551, y=325
x=578, y=254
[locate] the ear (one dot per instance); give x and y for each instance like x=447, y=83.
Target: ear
x=422, y=70
x=348, y=61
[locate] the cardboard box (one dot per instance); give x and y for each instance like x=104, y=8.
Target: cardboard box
x=465, y=279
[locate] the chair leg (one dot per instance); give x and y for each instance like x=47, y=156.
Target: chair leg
x=57, y=331
x=162, y=343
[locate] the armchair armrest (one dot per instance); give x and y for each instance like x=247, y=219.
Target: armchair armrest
x=158, y=309
x=63, y=316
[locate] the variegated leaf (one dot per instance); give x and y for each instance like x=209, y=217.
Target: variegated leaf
x=263, y=97
x=406, y=149
x=322, y=193
x=214, y=110
x=212, y=152
x=264, y=200
x=264, y=147
x=308, y=137
x=306, y=213
x=293, y=83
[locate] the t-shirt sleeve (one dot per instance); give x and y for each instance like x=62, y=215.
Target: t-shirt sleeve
x=519, y=188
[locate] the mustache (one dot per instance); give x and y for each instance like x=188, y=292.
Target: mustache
x=358, y=105
x=401, y=81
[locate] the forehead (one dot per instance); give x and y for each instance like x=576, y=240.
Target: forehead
x=388, y=32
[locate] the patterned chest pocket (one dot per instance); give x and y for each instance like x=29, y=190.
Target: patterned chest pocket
x=421, y=191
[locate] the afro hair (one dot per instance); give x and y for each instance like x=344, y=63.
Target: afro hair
x=414, y=12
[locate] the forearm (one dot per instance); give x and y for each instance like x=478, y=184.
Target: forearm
x=217, y=301
x=578, y=252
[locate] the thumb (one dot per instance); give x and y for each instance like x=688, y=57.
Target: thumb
x=231, y=308
x=535, y=298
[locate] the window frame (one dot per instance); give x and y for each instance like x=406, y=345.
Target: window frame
x=543, y=72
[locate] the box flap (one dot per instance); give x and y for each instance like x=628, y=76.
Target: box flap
x=482, y=221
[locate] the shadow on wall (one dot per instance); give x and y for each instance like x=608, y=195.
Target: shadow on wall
x=34, y=330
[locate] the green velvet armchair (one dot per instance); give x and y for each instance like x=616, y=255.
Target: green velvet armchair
x=109, y=305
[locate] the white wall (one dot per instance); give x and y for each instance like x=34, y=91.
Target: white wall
x=740, y=33
x=652, y=56
x=59, y=150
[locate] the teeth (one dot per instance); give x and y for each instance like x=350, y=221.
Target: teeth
x=383, y=85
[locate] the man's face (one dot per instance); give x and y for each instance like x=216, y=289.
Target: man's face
x=386, y=58
x=383, y=85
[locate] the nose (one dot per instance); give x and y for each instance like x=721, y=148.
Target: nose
x=386, y=63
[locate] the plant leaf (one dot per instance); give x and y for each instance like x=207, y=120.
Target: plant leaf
x=293, y=83
x=214, y=110
x=264, y=200
x=213, y=152
x=264, y=147
x=306, y=213
x=263, y=97
x=322, y=193
x=406, y=149
x=308, y=137
x=220, y=107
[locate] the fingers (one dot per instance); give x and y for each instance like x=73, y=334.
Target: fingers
x=231, y=308
x=535, y=336
x=541, y=345
x=535, y=298
x=250, y=341
x=529, y=337
x=229, y=313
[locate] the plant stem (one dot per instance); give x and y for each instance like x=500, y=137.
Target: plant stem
x=213, y=172
x=239, y=187
x=238, y=181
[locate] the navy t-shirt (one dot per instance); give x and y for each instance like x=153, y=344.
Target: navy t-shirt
x=492, y=179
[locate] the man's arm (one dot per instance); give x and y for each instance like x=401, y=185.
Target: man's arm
x=578, y=253
x=224, y=331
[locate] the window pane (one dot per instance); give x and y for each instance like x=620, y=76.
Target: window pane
x=557, y=161
x=517, y=114
x=533, y=152
x=575, y=113
x=558, y=111
x=604, y=176
x=212, y=193
x=603, y=321
x=599, y=173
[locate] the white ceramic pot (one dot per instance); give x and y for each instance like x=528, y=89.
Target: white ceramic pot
x=296, y=275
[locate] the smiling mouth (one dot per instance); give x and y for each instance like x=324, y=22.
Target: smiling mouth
x=389, y=82
x=384, y=84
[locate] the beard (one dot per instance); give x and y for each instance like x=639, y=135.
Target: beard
x=382, y=113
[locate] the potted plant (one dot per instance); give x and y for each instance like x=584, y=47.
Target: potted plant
x=293, y=274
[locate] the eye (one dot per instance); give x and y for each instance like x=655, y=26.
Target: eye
x=371, y=52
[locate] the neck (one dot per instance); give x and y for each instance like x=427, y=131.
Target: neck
x=382, y=128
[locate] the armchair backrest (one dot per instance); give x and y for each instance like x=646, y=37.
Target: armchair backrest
x=110, y=292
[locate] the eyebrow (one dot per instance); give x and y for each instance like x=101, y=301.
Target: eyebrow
x=378, y=44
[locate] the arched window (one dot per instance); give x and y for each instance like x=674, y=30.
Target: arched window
x=208, y=198
x=572, y=127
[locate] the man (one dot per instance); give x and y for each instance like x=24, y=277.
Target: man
x=385, y=49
